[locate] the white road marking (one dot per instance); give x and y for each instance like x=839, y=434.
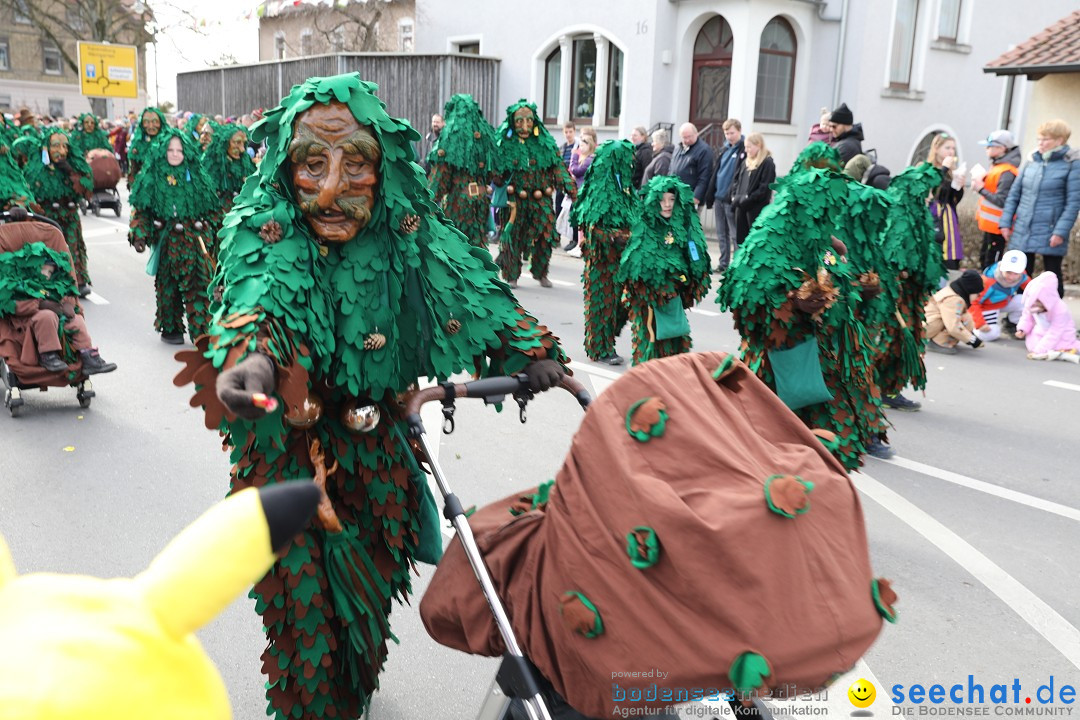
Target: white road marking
x=1032, y=609
x=707, y=313
x=563, y=283
x=591, y=369
x=988, y=488
x=1062, y=385
x=97, y=232
x=96, y=299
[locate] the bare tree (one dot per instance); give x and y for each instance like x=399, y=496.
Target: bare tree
x=129, y=22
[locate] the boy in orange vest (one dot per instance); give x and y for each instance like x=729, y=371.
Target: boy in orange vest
x=1004, y=158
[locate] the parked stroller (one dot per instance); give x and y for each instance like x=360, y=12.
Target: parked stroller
x=106, y=169
x=19, y=368
x=678, y=537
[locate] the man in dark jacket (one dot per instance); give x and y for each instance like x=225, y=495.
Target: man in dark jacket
x=692, y=162
x=643, y=153
x=569, y=132
x=661, y=159
x=847, y=135
x=718, y=194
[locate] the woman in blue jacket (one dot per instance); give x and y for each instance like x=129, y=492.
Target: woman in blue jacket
x=1043, y=203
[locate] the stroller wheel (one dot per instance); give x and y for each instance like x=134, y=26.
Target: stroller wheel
x=116, y=208
x=97, y=209
x=85, y=394
x=13, y=401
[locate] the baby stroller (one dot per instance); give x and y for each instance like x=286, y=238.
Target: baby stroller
x=678, y=536
x=18, y=360
x=106, y=169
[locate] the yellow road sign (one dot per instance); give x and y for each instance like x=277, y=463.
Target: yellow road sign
x=108, y=70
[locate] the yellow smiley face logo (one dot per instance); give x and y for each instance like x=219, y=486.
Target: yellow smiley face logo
x=861, y=693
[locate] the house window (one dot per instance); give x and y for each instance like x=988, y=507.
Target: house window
x=949, y=20
x=405, y=35
x=337, y=40
x=56, y=107
x=614, y=85
x=305, y=43
x=22, y=12
x=53, y=61
x=922, y=150
x=903, y=46
x=279, y=46
x=5, y=55
x=75, y=19
x=5, y=102
x=583, y=97
x=710, y=82
x=469, y=48
x=552, y=85
x=776, y=73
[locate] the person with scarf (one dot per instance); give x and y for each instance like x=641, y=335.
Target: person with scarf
x=532, y=170
x=664, y=270
x=463, y=162
x=343, y=285
x=58, y=179
x=604, y=211
x=946, y=197
x=172, y=204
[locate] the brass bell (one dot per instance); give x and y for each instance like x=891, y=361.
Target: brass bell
x=198, y=225
x=523, y=194
x=362, y=419
x=178, y=227
x=476, y=135
x=158, y=225
x=306, y=414
x=549, y=191
x=510, y=189
x=56, y=205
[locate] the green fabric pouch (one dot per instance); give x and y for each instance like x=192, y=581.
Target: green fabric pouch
x=429, y=549
x=797, y=370
x=671, y=320
x=154, y=262
x=498, y=197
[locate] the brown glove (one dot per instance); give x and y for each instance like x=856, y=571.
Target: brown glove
x=53, y=306
x=812, y=304
x=544, y=374
x=871, y=285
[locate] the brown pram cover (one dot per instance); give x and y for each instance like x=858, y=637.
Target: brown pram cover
x=105, y=167
x=727, y=579
x=16, y=343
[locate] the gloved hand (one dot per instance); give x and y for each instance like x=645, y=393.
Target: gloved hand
x=812, y=304
x=53, y=306
x=976, y=343
x=139, y=245
x=69, y=308
x=235, y=387
x=544, y=374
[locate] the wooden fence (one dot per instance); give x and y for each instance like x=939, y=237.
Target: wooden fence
x=413, y=86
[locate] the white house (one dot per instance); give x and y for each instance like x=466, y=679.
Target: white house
x=907, y=68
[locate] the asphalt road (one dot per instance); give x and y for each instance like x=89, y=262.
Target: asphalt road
x=977, y=521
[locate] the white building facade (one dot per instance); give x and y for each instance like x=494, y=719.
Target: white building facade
x=906, y=68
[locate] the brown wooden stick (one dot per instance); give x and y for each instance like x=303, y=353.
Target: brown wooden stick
x=327, y=517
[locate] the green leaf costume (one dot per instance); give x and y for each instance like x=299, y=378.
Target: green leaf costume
x=916, y=257
x=83, y=142
x=13, y=187
x=529, y=166
x=463, y=162
x=666, y=259
x=347, y=325
x=787, y=258
x=140, y=144
x=605, y=210
x=58, y=191
x=226, y=174
x=171, y=212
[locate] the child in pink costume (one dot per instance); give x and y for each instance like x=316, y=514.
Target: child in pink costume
x=1046, y=324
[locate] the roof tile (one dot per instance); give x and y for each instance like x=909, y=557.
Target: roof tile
x=1058, y=44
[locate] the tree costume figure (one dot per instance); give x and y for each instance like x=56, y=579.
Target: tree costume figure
x=227, y=164
x=792, y=288
x=463, y=163
x=171, y=206
x=58, y=178
x=343, y=285
x=13, y=187
x=911, y=251
x=532, y=171
x=200, y=129
x=150, y=125
x=664, y=269
x=605, y=211
x=88, y=135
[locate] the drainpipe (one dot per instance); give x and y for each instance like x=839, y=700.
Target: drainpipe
x=840, y=53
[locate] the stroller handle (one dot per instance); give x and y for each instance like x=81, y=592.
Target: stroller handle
x=20, y=214
x=487, y=388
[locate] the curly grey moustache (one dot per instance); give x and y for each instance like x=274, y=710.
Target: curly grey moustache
x=354, y=208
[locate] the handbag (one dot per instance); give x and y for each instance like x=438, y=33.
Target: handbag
x=797, y=370
x=670, y=320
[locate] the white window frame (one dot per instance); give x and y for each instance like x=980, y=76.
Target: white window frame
x=50, y=102
x=306, y=35
x=6, y=44
x=454, y=42
x=923, y=34
x=564, y=45
x=45, y=50
x=406, y=30
x=20, y=17
x=280, y=46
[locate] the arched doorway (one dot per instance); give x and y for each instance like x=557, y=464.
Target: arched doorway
x=711, y=77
